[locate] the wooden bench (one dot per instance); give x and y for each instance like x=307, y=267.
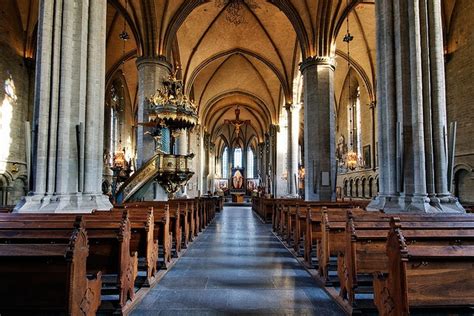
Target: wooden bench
x=161, y=232
x=174, y=220
x=300, y=222
x=366, y=237
x=185, y=219
x=333, y=226
x=263, y=207
x=433, y=274
x=142, y=240
x=6, y=208
x=46, y=277
x=109, y=245
x=313, y=229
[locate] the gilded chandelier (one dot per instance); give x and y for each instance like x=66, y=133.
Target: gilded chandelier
x=170, y=107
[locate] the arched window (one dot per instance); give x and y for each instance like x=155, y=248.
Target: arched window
x=358, y=119
x=225, y=163
x=354, y=124
x=115, y=129
x=237, y=157
x=6, y=117
x=250, y=164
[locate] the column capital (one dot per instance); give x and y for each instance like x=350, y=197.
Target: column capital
x=289, y=106
x=314, y=61
x=157, y=61
x=292, y=107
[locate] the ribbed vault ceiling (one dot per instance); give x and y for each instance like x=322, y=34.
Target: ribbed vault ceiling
x=253, y=64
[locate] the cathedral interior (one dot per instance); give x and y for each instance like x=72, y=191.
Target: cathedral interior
x=106, y=102
x=251, y=61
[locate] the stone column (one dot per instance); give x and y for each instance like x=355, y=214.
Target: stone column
x=182, y=149
x=152, y=71
x=410, y=66
x=319, y=129
x=182, y=143
x=69, y=96
x=292, y=156
x=438, y=95
x=414, y=172
x=272, y=158
x=388, y=142
x=373, y=107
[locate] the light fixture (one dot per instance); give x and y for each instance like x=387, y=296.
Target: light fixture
x=235, y=9
x=352, y=158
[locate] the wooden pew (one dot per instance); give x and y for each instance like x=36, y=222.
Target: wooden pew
x=434, y=274
x=264, y=208
x=187, y=212
x=174, y=220
x=6, y=208
x=313, y=229
x=186, y=218
x=109, y=245
x=366, y=237
x=299, y=230
x=142, y=227
x=175, y=228
x=142, y=240
x=46, y=277
x=333, y=226
x=161, y=227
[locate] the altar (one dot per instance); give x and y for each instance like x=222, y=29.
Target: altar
x=238, y=197
x=236, y=187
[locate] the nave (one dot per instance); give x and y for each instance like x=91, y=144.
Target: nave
x=237, y=266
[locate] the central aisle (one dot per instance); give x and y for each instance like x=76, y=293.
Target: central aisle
x=237, y=266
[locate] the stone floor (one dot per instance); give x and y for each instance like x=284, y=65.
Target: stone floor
x=237, y=266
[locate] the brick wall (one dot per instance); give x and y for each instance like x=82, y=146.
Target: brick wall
x=460, y=94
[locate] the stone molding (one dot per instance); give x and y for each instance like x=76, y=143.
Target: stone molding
x=325, y=61
x=153, y=61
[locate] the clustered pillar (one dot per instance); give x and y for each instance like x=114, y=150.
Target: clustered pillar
x=182, y=149
x=412, y=112
x=152, y=72
x=292, y=158
x=69, y=116
x=319, y=130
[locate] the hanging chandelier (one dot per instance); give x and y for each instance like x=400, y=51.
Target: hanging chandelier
x=119, y=160
x=234, y=9
x=352, y=158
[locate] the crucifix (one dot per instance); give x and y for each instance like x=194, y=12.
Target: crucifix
x=237, y=123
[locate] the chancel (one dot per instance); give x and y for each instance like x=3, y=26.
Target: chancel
x=236, y=157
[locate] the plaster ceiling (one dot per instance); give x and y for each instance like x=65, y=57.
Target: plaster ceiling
x=253, y=64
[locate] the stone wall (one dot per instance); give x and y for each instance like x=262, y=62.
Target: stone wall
x=460, y=95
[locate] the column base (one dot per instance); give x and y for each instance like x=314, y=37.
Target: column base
x=384, y=203
x=415, y=204
x=447, y=204
x=63, y=203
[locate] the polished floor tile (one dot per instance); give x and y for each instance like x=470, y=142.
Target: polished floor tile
x=237, y=267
